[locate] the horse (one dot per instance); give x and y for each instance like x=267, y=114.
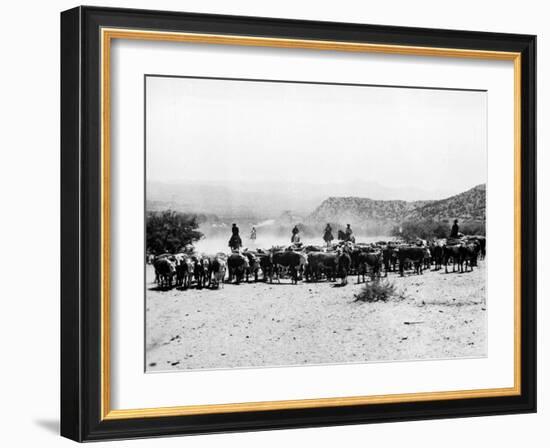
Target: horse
x=327, y=237
x=235, y=242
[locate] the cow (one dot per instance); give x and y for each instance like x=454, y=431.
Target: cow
x=436, y=249
x=389, y=258
x=265, y=265
x=319, y=263
x=468, y=254
x=197, y=271
x=370, y=261
x=452, y=253
x=482, y=246
x=364, y=259
x=295, y=262
x=343, y=264
x=253, y=265
x=217, y=267
x=167, y=255
x=427, y=257
x=356, y=255
x=165, y=270
x=412, y=254
x=185, y=269
x=201, y=271
x=481, y=241
x=178, y=260
x=313, y=248
x=237, y=265
x=332, y=264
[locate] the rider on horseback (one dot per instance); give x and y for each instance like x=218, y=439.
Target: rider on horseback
x=295, y=238
x=349, y=234
x=235, y=242
x=327, y=237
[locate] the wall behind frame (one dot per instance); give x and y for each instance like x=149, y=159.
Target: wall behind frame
x=29, y=185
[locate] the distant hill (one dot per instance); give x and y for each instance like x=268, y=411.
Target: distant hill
x=268, y=200
x=468, y=206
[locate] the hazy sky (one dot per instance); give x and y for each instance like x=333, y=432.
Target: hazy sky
x=223, y=130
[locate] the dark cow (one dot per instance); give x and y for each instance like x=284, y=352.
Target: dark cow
x=169, y=256
x=389, y=258
x=412, y=254
x=468, y=254
x=197, y=271
x=237, y=265
x=343, y=262
x=482, y=242
x=332, y=264
x=313, y=248
x=364, y=260
x=452, y=253
x=357, y=261
x=266, y=266
x=436, y=249
x=373, y=261
x=295, y=262
x=319, y=263
x=165, y=270
x=482, y=246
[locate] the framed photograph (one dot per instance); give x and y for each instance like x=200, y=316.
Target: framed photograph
x=273, y=223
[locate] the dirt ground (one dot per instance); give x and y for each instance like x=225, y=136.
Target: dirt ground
x=261, y=324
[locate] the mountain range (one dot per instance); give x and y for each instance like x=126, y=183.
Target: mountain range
x=468, y=206
x=269, y=199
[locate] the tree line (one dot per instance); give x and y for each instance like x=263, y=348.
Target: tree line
x=170, y=231
x=428, y=228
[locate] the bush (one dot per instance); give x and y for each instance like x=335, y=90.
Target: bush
x=472, y=228
x=426, y=229
x=376, y=291
x=170, y=231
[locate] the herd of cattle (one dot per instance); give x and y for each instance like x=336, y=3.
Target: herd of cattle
x=315, y=263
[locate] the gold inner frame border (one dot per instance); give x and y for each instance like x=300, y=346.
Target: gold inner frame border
x=107, y=35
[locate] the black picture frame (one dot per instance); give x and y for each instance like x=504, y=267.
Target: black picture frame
x=81, y=224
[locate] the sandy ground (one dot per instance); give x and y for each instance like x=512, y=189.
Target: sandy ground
x=261, y=324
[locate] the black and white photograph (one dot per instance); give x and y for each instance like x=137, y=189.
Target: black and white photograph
x=302, y=223
x=275, y=219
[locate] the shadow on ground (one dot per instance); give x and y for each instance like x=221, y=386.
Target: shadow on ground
x=49, y=425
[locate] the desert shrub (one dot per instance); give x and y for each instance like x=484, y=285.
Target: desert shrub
x=425, y=229
x=170, y=231
x=472, y=228
x=441, y=230
x=428, y=229
x=376, y=291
